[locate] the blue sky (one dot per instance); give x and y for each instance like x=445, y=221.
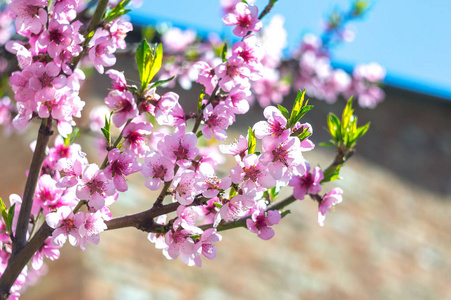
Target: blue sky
x=411, y=39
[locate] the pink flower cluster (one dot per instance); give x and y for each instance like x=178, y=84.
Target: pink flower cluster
x=48, y=83
x=313, y=72
x=322, y=81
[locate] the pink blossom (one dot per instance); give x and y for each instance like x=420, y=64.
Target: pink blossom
x=157, y=169
x=205, y=243
x=24, y=56
x=164, y=106
x=158, y=239
x=329, y=200
x=70, y=170
x=66, y=225
x=118, y=31
x=232, y=73
x=23, y=92
x=48, y=249
x=260, y=221
x=136, y=136
x=208, y=210
x=306, y=144
x=186, y=218
x=249, y=51
x=119, y=82
x=176, y=118
x=282, y=158
x=102, y=49
x=181, y=244
x=245, y=17
x=57, y=37
x=270, y=88
x=123, y=105
x=45, y=80
x=184, y=187
x=180, y=148
x=238, y=147
x=252, y=174
x=235, y=208
x=207, y=76
x=217, y=120
x=91, y=228
x=119, y=166
x=309, y=183
x=94, y=187
x=208, y=184
x=46, y=193
x=237, y=100
x=275, y=126
x=30, y=15
x=177, y=40
x=65, y=9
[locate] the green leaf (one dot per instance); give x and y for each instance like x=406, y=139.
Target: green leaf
x=156, y=63
x=218, y=205
x=9, y=222
x=332, y=174
x=75, y=133
x=106, y=134
x=360, y=7
x=3, y=209
x=142, y=53
x=359, y=132
x=334, y=126
x=347, y=114
x=149, y=61
x=362, y=130
x=199, y=134
x=274, y=192
x=297, y=106
x=161, y=82
x=252, y=142
x=305, y=134
x=302, y=113
x=199, y=102
x=224, y=53
x=106, y=129
x=117, y=11
x=132, y=88
x=232, y=192
x=284, y=111
x=326, y=144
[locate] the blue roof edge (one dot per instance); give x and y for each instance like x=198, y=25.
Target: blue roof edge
x=404, y=82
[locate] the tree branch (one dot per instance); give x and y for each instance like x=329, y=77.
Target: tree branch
x=45, y=131
x=18, y=260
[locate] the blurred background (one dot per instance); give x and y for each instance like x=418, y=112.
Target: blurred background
x=389, y=238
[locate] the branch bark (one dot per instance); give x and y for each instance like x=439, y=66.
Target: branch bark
x=45, y=131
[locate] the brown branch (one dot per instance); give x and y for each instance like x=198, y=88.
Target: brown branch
x=143, y=220
x=18, y=260
x=45, y=131
x=267, y=9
